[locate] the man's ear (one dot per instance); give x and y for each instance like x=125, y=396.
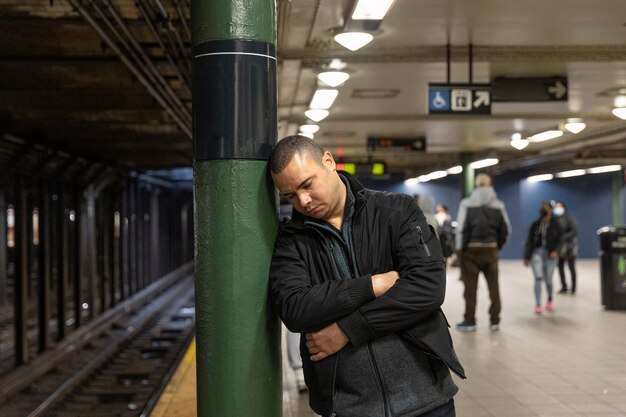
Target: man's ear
x=329, y=161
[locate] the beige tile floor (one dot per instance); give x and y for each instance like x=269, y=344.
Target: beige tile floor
x=568, y=363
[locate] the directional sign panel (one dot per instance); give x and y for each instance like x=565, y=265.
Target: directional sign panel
x=459, y=99
x=529, y=89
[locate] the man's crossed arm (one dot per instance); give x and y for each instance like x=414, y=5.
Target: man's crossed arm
x=331, y=339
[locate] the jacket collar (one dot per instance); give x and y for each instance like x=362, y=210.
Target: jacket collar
x=297, y=218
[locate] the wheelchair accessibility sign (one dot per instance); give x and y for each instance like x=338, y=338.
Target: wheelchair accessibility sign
x=439, y=100
x=459, y=98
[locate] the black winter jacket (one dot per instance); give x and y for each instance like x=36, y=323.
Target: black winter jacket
x=389, y=232
x=534, y=240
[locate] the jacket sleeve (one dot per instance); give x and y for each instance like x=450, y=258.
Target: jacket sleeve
x=569, y=233
x=506, y=234
x=303, y=306
x=418, y=293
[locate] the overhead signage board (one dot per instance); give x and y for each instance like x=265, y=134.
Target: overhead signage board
x=529, y=89
x=417, y=143
x=459, y=99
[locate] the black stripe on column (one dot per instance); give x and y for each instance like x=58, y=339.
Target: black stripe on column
x=234, y=99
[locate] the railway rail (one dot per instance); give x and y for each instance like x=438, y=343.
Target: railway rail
x=115, y=366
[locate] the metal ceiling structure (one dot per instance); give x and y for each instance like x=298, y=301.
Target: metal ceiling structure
x=89, y=84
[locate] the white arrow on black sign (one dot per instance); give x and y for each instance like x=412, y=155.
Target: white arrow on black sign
x=482, y=99
x=558, y=89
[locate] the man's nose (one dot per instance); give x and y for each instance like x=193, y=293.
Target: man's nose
x=304, y=199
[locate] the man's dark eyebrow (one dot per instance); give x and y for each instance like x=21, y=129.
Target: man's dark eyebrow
x=298, y=187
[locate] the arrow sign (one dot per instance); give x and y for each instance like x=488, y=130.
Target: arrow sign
x=482, y=99
x=558, y=90
x=529, y=89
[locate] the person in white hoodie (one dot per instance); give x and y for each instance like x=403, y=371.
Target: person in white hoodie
x=483, y=228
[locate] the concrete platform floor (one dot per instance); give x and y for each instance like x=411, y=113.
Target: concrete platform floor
x=568, y=363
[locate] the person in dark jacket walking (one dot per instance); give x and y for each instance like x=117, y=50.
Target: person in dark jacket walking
x=361, y=275
x=483, y=228
x=542, y=251
x=569, y=246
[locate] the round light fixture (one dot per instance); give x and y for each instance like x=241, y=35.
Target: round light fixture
x=312, y=129
x=575, y=125
x=519, y=144
x=620, y=112
x=316, y=114
x=333, y=78
x=353, y=40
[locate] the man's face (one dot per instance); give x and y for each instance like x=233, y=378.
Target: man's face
x=310, y=186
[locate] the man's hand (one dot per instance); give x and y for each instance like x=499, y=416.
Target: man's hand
x=323, y=343
x=382, y=282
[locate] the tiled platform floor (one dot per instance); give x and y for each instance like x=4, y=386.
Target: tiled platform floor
x=568, y=363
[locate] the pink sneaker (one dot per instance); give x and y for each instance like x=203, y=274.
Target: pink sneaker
x=549, y=306
x=538, y=310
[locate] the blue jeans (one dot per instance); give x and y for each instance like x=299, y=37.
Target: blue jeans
x=543, y=267
x=446, y=410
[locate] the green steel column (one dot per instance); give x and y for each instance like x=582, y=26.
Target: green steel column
x=234, y=104
x=468, y=175
x=618, y=184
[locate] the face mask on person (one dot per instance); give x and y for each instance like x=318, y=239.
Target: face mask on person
x=559, y=211
x=543, y=212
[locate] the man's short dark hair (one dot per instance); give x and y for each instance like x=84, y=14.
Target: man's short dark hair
x=287, y=148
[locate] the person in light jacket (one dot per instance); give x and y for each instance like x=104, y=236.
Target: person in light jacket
x=483, y=228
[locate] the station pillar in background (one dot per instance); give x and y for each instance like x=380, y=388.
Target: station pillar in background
x=467, y=179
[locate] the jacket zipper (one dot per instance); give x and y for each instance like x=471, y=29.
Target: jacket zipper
x=333, y=393
x=378, y=377
x=421, y=239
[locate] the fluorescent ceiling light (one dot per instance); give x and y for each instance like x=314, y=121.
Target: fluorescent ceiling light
x=371, y=9
x=437, y=174
x=333, y=78
x=455, y=170
x=572, y=173
x=519, y=144
x=542, y=177
x=411, y=181
x=316, y=114
x=575, y=125
x=606, y=168
x=423, y=178
x=353, y=40
x=484, y=163
x=323, y=99
x=547, y=135
x=312, y=129
x=620, y=112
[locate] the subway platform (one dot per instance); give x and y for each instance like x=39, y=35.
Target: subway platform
x=568, y=363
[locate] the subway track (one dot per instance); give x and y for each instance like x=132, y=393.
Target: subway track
x=117, y=366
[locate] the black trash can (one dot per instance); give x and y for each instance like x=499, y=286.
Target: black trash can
x=613, y=266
